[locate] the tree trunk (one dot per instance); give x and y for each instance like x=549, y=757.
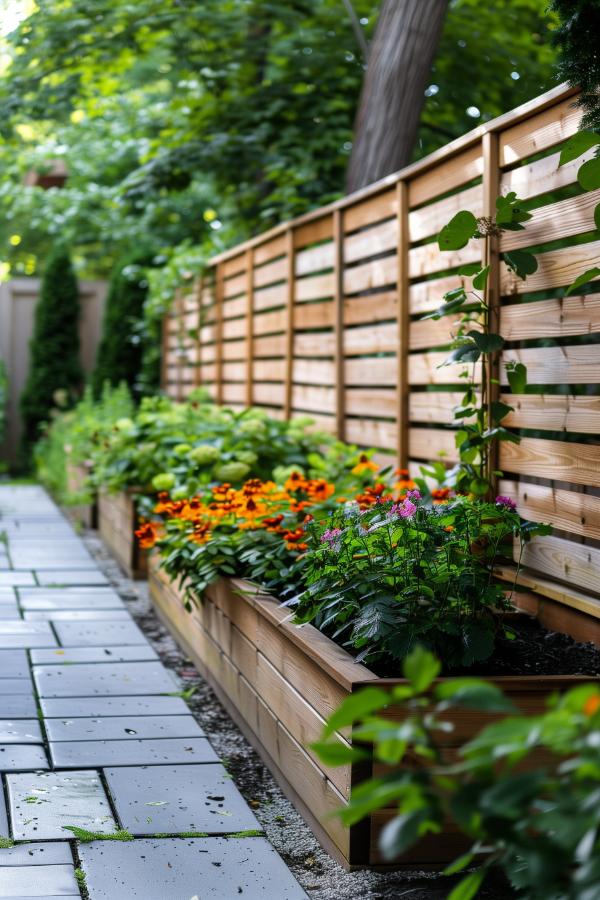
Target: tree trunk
x=400, y=60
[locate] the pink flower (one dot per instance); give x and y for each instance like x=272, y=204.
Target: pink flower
x=507, y=502
x=405, y=509
x=330, y=537
x=414, y=495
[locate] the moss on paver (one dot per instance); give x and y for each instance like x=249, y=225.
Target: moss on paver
x=6, y=843
x=86, y=837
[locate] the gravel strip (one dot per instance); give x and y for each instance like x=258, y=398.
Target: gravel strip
x=317, y=872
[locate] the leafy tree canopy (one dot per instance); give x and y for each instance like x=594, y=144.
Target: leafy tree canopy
x=195, y=124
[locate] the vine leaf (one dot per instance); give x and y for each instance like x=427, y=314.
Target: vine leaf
x=521, y=262
x=588, y=175
x=458, y=232
x=487, y=343
x=586, y=276
x=577, y=146
x=517, y=377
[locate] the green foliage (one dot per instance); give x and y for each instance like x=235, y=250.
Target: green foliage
x=54, y=365
x=84, y=836
x=183, y=447
x=539, y=826
x=72, y=436
x=476, y=345
x=119, y=357
x=579, y=63
x=384, y=579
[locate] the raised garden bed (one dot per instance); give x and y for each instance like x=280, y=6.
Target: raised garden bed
x=117, y=522
x=280, y=682
x=85, y=514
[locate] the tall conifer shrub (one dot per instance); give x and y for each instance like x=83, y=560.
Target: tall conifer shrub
x=54, y=348
x=120, y=352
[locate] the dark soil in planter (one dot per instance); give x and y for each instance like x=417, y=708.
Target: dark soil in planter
x=532, y=651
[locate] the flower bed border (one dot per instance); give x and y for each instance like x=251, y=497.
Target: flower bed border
x=280, y=682
x=117, y=522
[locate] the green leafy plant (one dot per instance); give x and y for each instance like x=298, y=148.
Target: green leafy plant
x=383, y=579
x=477, y=346
x=54, y=369
x=537, y=822
x=120, y=352
x=72, y=437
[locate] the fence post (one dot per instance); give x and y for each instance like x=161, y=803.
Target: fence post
x=198, y=293
x=219, y=288
x=402, y=424
x=289, y=332
x=491, y=186
x=338, y=324
x=249, y=327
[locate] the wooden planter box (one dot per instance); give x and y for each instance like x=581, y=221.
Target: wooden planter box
x=279, y=683
x=117, y=522
x=85, y=514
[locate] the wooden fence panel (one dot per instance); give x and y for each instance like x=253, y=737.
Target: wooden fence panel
x=324, y=316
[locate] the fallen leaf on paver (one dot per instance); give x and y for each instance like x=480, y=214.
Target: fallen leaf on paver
x=157, y=803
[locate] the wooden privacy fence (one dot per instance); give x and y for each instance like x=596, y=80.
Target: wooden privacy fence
x=323, y=316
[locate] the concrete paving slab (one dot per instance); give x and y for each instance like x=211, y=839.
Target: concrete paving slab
x=207, y=868
x=71, y=655
x=60, y=600
x=178, y=799
x=62, y=577
x=18, y=707
x=112, y=706
x=77, y=615
x=41, y=854
x=104, y=679
x=77, y=754
x=40, y=882
x=20, y=731
x=43, y=804
x=28, y=639
x=13, y=579
x=15, y=686
x=22, y=757
x=14, y=664
x=122, y=728
x=85, y=634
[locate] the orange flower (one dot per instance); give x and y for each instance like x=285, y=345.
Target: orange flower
x=147, y=535
x=440, y=495
x=592, y=705
x=364, y=464
x=201, y=533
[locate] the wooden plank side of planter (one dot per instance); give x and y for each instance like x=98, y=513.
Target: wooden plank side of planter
x=236, y=685
x=117, y=521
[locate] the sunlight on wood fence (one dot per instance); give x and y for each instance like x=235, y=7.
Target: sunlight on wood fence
x=321, y=316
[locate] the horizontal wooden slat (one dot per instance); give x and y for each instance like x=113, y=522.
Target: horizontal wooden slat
x=428, y=368
x=314, y=344
x=371, y=210
x=269, y=394
x=233, y=393
x=313, y=399
x=451, y=173
x=556, y=557
x=313, y=371
x=314, y=287
x=371, y=241
x=271, y=272
x=435, y=407
x=425, y=296
x=314, y=315
x=269, y=250
x=563, y=317
x=361, y=310
x=557, y=268
x=233, y=328
x=555, y=460
x=365, y=402
x=269, y=322
x=567, y=510
x=234, y=371
x=432, y=443
x=569, y=217
x=375, y=274
x=539, y=132
x=542, y=176
x=315, y=259
x=269, y=369
x=234, y=265
x=377, y=371
x=554, y=412
x=313, y=232
x=232, y=309
x=380, y=338
x=428, y=258
x=270, y=297
x=273, y=345
x=371, y=433
x=557, y=365
x=234, y=286
x=429, y=220
x=232, y=350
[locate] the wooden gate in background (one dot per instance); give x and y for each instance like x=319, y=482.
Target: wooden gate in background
x=322, y=316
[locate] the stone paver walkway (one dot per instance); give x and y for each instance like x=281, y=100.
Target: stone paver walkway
x=111, y=790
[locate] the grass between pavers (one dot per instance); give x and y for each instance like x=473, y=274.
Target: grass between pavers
x=86, y=837
x=6, y=843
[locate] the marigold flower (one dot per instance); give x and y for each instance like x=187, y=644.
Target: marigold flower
x=440, y=495
x=592, y=705
x=364, y=464
x=147, y=535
